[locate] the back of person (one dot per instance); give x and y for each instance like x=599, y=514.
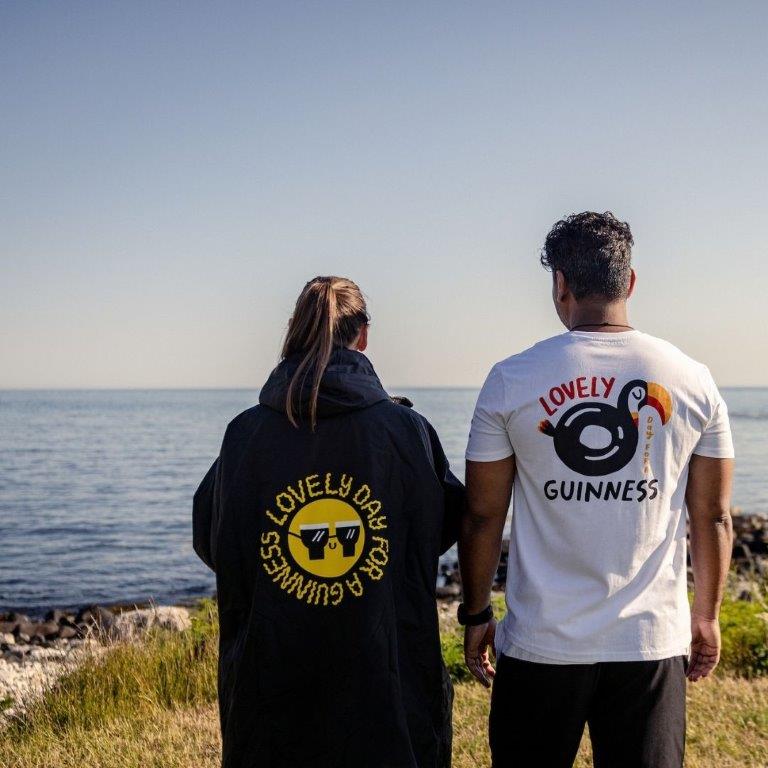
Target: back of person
x=607, y=437
x=324, y=518
x=602, y=426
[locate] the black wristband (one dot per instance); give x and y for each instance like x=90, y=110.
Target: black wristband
x=473, y=619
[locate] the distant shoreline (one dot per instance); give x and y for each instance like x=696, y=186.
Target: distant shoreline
x=750, y=558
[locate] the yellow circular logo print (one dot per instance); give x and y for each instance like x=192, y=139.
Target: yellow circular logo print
x=326, y=537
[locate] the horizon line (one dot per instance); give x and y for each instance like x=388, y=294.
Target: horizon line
x=244, y=388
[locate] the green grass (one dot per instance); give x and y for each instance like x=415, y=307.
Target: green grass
x=744, y=628
x=153, y=704
x=168, y=670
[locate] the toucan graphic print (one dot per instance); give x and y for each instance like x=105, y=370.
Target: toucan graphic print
x=596, y=438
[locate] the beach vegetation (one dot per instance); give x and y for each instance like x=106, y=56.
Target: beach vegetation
x=153, y=703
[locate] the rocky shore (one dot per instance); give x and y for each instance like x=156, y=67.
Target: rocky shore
x=749, y=559
x=34, y=654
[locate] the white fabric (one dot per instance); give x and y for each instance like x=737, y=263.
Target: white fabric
x=597, y=558
x=520, y=653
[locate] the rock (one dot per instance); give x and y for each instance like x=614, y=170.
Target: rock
x=55, y=615
x=66, y=632
x=27, y=672
x=7, y=638
x=131, y=625
x=95, y=616
x=26, y=628
x=22, y=638
x=48, y=630
x=172, y=618
x=450, y=590
x=19, y=618
x=7, y=627
x=44, y=654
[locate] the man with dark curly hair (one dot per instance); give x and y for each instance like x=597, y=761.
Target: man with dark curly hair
x=607, y=437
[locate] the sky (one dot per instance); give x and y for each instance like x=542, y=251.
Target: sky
x=172, y=173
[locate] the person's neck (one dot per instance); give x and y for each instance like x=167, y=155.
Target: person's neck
x=603, y=318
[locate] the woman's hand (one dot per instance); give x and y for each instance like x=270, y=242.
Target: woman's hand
x=478, y=642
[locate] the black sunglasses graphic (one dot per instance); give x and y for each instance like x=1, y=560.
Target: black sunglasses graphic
x=316, y=536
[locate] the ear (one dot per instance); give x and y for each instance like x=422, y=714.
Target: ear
x=632, y=281
x=560, y=288
x=362, y=339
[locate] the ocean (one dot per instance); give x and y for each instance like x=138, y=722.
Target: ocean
x=96, y=486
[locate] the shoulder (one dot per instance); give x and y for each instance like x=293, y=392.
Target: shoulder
x=245, y=421
x=534, y=352
x=524, y=362
x=665, y=351
x=694, y=376
x=399, y=418
x=399, y=410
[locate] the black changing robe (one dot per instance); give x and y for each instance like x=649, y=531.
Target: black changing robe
x=325, y=547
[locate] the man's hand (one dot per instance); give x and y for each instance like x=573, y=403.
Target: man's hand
x=478, y=641
x=705, y=647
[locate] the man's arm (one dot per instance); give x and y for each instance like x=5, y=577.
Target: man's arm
x=489, y=488
x=708, y=498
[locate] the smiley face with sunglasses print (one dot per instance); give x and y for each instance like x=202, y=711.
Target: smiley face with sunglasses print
x=326, y=537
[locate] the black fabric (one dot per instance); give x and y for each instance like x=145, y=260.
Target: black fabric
x=635, y=711
x=322, y=667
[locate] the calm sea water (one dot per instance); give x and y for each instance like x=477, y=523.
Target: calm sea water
x=96, y=486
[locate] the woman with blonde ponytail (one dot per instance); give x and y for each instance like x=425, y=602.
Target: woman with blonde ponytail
x=323, y=518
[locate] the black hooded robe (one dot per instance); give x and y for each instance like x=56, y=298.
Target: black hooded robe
x=325, y=547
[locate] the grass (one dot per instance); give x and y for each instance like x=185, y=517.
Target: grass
x=727, y=725
x=744, y=627
x=154, y=705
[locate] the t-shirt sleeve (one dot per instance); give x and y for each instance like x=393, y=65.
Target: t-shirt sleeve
x=716, y=441
x=488, y=436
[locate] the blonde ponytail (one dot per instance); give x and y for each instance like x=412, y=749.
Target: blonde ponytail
x=330, y=311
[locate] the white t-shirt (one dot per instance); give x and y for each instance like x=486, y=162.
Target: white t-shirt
x=602, y=427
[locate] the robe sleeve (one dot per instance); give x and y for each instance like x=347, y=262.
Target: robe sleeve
x=454, y=494
x=205, y=515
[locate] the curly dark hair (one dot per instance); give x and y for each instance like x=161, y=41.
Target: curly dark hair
x=593, y=251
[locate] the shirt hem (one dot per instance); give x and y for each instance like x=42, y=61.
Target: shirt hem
x=496, y=456
x=595, y=658
x=713, y=453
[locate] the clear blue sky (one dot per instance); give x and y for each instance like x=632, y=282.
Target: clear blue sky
x=173, y=172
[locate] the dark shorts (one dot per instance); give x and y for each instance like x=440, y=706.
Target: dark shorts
x=635, y=711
